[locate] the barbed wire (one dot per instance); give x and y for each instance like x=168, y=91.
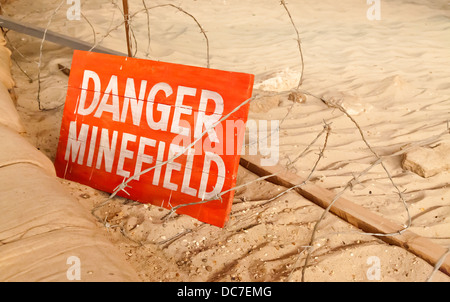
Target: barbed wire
x=40, y=54
x=147, y=9
x=326, y=130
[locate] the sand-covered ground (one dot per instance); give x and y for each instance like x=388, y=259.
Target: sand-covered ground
x=391, y=75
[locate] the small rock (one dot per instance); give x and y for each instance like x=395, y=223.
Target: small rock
x=426, y=161
x=297, y=97
x=131, y=223
x=264, y=102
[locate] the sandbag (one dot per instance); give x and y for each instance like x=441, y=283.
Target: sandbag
x=5, y=65
x=42, y=229
x=8, y=114
x=16, y=149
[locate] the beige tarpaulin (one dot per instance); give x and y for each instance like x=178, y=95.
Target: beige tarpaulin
x=45, y=234
x=9, y=115
x=42, y=229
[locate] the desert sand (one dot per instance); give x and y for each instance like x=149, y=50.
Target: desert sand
x=391, y=75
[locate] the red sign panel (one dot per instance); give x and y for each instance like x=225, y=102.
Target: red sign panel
x=125, y=116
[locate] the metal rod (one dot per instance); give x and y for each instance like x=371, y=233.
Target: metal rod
x=52, y=36
x=126, y=17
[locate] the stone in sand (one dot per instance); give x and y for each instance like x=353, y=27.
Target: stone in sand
x=426, y=161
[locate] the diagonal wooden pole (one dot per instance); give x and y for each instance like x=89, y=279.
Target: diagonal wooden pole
x=354, y=214
x=126, y=17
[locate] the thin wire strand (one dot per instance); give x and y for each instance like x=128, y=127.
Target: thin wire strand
x=40, y=54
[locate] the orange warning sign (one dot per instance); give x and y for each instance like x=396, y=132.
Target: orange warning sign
x=125, y=118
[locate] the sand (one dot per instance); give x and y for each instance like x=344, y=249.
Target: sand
x=391, y=75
